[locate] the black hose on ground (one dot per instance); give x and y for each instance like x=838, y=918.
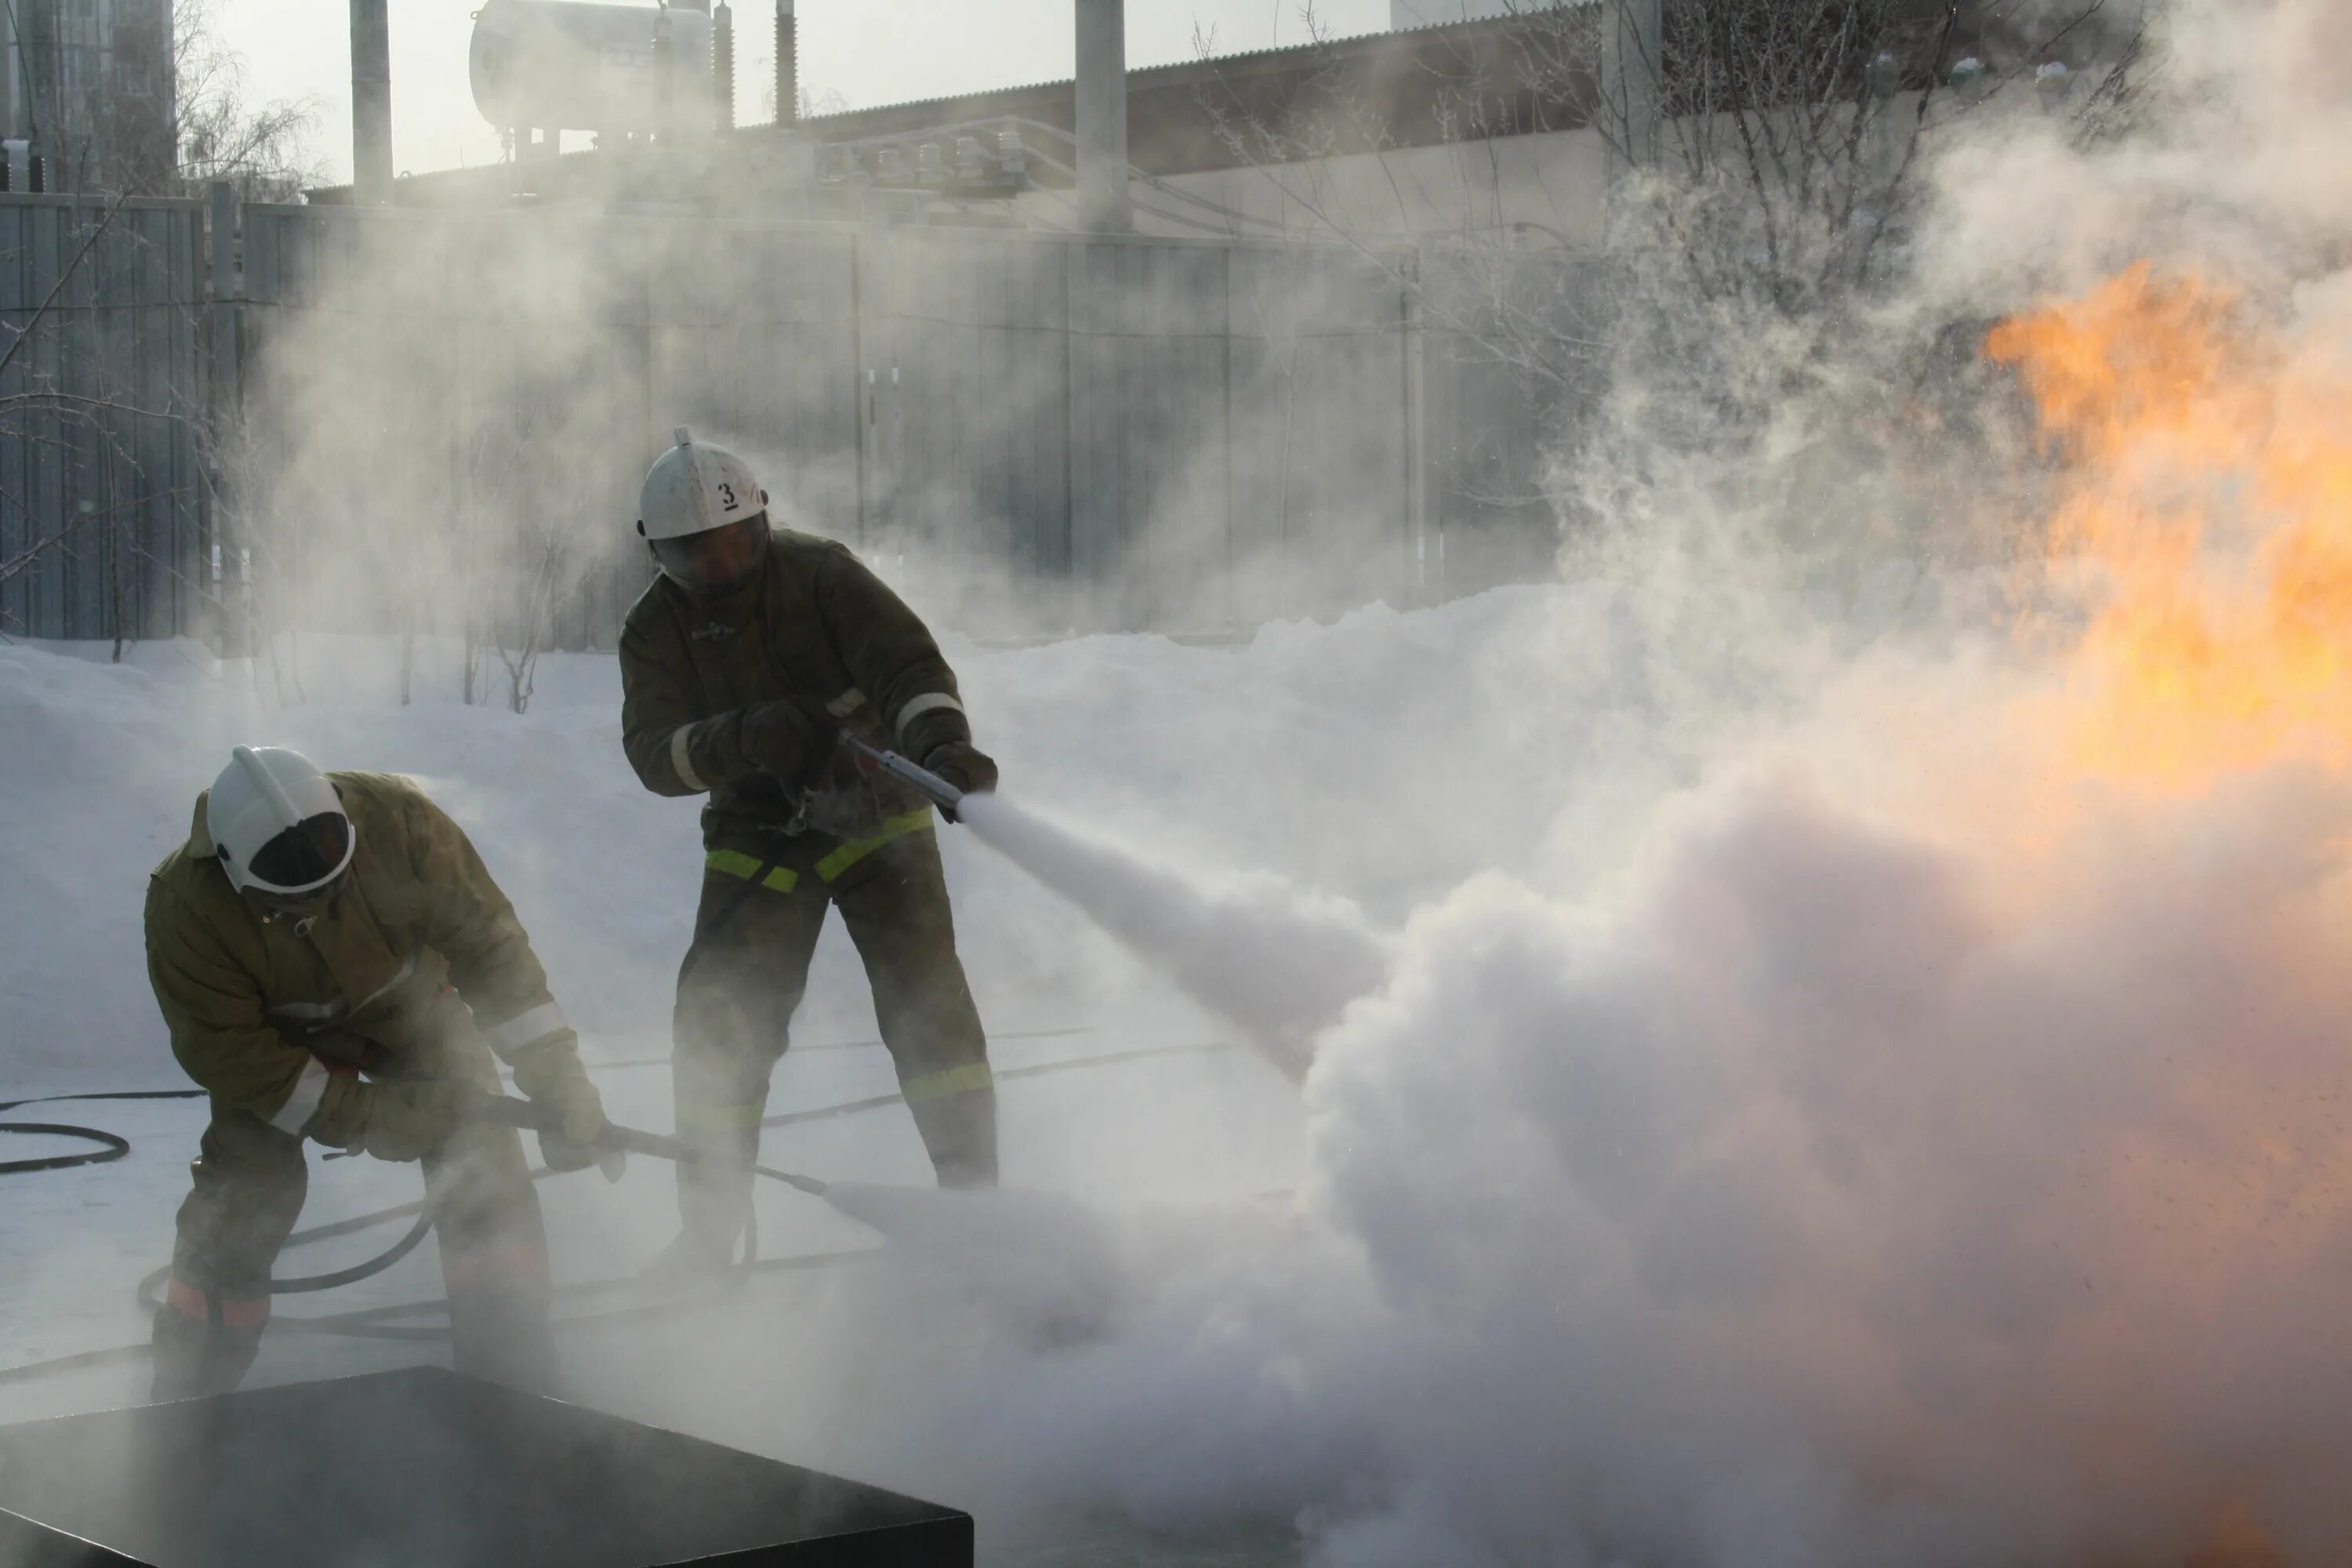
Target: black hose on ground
x=110, y=1145
x=365, y=1324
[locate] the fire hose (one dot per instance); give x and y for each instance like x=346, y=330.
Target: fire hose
x=523, y=1115
x=374, y=1322
x=110, y=1145
x=516, y=1113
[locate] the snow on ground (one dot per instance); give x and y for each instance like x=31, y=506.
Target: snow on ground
x=1275, y=757
x=1860, y=1130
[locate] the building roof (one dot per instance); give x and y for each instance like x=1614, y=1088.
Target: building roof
x=1450, y=81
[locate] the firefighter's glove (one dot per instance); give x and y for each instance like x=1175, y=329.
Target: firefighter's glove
x=788, y=737
x=964, y=765
x=939, y=739
x=549, y=1076
x=407, y=1120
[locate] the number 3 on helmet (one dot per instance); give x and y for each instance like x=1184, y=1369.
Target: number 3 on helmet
x=704, y=515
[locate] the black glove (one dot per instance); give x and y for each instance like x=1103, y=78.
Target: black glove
x=788, y=737
x=408, y=1119
x=940, y=739
x=964, y=765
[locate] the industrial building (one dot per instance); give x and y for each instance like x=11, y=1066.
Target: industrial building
x=653, y=101
x=87, y=94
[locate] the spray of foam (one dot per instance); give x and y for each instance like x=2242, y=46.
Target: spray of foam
x=1275, y=959
x=1928, y=1152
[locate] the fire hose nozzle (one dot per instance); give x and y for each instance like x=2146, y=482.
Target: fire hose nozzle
x=921, y=780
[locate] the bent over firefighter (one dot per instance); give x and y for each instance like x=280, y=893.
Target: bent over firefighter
x=336, y=964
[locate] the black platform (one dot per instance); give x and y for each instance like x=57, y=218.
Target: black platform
x=424, y=1468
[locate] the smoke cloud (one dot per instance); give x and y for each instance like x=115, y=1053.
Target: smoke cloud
x=1846, y=1063
x=1276, y=960
x=1922, y=1139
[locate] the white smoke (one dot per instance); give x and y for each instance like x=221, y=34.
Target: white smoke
x=1912, y=1151
x=1275, y=959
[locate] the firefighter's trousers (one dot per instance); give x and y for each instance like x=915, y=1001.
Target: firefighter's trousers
x=250, y=1179
x=754, y=933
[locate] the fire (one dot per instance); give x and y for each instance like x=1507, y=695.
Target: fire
x=2207, y=516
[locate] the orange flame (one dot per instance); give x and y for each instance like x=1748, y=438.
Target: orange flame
x=2207, y=510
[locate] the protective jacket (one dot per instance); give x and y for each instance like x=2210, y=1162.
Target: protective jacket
x=815, y=626
x=262, y=1005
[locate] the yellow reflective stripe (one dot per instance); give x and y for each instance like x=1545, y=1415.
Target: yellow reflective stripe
x=697, y=1116
x=857, y=849
x=965, y=1080
x=735, y=863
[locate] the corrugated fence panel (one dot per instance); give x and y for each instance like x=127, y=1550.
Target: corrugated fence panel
x=1028, y=432
x=102, y=513
x=971, y=365
x=1321, y=417
x=1499, y=406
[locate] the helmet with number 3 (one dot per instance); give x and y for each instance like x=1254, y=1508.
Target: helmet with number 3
x=704, y=515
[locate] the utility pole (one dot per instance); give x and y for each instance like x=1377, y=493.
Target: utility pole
x=1102, y=116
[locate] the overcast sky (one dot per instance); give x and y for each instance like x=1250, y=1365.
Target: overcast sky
x=870, y=51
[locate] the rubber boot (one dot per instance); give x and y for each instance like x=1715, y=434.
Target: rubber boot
x=960, y=1133
x=196, y=1352
x=714, y=1206
x=498, y=1323
x=493, y=1258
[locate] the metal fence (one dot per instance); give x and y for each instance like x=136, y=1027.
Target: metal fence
x=427, y=415
x=104, y=518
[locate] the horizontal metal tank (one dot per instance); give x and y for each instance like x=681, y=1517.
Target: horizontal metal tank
x=560, y=64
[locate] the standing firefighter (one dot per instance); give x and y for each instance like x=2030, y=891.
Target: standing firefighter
x=335, y=963
x=739, y=666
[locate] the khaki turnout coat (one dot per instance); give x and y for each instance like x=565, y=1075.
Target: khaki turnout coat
x=416, y=936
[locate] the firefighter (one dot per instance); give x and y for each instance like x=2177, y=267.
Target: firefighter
x=336, y=964
x=741, y=662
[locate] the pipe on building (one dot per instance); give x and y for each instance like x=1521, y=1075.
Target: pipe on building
x=1102, y=115
x=370, y=101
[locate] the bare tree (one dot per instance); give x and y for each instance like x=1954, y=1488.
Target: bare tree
x=522, y=556
x=263, y=150
x=1769, y=166
x=179, y=114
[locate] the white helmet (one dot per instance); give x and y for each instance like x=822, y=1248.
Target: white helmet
x=696, y=487
x=277, y=824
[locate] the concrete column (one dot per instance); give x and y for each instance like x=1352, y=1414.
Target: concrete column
x=1102, y=115
x=1633, y=43
x=370, y=101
